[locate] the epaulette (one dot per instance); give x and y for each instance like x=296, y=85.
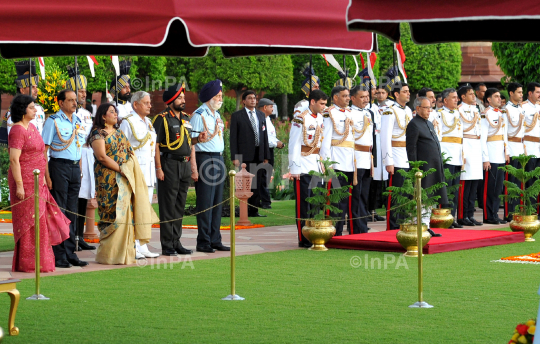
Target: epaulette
x=185, y=114
x=503, y=110
x=299, y=121
x=199, y=111
x=53, y=116
x=440, y=110
x=388, y=112
x=303, y=114
x=326, y=112
x=128, y=116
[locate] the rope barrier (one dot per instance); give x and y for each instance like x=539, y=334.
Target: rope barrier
x=200, y=212
x=137, y=224
x=300, y=219
x=12, y=205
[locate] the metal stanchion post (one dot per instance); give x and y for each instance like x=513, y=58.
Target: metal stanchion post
x=37, y=295
x=232, y=296
x=420, y=303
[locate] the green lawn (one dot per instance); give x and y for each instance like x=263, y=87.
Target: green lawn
x=291, y=297
x=6, y=243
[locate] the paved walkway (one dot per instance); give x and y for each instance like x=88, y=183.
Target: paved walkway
x=248, y=241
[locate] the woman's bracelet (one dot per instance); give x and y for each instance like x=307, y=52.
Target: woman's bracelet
x=18, y=181
x=158, y=168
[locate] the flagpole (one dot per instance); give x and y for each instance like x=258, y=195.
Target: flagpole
x=76, y=111
x=310, y=69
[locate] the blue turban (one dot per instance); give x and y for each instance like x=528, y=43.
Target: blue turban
x=210, y=90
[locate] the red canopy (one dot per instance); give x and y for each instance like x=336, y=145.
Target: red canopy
x=440, y=21
x=176, y=27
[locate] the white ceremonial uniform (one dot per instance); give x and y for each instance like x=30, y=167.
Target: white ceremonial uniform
x=137, y=130
x=532, y=136
x=379, y=172
x=472, y=145
x=452, y=136
x=88, y=183
x=514, y=116
x=38, y=121
x=124, y=109
x=363, y=134
x=435, y=119
x=306, y=133
x=494, y=138
x=342, y=153
x=394, y=123
x=271, y=130
x=303, y=104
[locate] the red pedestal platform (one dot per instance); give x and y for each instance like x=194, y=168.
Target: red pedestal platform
x=451, y=240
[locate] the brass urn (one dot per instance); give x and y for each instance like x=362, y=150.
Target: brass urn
x=441, y=218
x=319, y=232
x=407, y=236
x=528, y=224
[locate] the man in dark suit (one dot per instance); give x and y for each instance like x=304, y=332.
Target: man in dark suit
x=423, y=145
x=249, y=145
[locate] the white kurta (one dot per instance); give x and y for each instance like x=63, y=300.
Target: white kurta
x=305, y=121
x=344, y=156
x=362, y=119
x=379, y=172
x=393, y=126
x=88, y=183
x=531, y=112
x=472, y=148
x=452, y=128
x=271, y=130
x=514, y=117
x=124, y=109
x=493, y=124
x=136, y=128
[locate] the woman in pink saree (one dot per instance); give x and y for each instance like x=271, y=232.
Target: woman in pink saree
x=27, y=153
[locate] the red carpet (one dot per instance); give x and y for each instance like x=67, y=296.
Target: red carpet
x=451, y=240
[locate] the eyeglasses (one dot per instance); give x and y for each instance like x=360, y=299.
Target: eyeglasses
x=425, y=107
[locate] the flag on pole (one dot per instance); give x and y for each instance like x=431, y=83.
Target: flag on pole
x=356, y=64
x=401, y=60
x=362, y=60
x=332, y=60
x=42, y=67
x=372, y=58
x=116, y=64
x=91, y=61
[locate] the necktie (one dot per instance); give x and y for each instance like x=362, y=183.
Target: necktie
x=255, y=129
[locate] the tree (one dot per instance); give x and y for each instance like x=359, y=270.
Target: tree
x=261, y=73
x=518, y=61
x=437, y=66
x=7, y=77
x=177, y=70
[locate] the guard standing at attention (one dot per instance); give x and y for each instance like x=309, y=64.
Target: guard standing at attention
x=173, y=161
x=304, y=145
x=210, y=166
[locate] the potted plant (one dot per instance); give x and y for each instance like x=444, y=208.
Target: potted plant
x=320, y=228
x=404, y=197
x=442, y=217
x=525, y=215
